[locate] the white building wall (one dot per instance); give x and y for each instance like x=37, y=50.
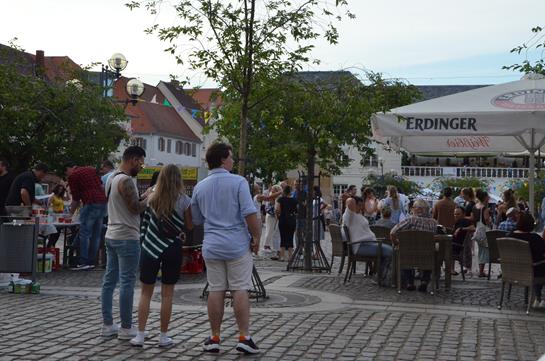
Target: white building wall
x=154, y=156
x=355, y=173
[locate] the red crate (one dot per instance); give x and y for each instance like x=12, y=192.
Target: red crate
x=192, y=261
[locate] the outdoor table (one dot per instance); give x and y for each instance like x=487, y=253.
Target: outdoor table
x=46, y=229
x=66, y=228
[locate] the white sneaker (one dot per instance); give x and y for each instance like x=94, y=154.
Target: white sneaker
x=165, y=341
x=542, y=304
x=137, y=341
x=536, y=304
x=109, y=330
x=126, y=333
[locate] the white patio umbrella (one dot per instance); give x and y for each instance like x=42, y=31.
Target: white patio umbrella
x=500, y=118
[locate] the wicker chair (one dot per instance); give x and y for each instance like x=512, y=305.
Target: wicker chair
x=459, y=251
x=491, y=238
x=353, y=258
x=338, y=247
x=382, y=233
x=416, y=249
x=517, y=267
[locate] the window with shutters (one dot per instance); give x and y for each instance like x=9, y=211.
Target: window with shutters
x=141, y=142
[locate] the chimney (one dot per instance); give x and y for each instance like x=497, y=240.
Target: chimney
x=40, y=64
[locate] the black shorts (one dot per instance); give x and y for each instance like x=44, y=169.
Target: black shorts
x=169, y=262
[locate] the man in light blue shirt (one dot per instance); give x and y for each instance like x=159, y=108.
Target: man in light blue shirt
x=106, y=170
x=223, y=203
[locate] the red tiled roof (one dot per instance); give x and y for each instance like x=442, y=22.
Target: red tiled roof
x=149, y=91
x=58, y=69
x=147, y=118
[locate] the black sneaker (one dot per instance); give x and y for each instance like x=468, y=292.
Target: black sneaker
x=248, y=347
x=81, y=267
x=211, y=345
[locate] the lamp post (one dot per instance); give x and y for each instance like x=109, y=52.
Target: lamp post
x=381, y=163
x=111, y=72
x=134, y=89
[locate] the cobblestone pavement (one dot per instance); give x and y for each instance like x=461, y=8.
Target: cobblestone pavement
x=307, y=317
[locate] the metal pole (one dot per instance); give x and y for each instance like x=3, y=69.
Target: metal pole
x=531, y=173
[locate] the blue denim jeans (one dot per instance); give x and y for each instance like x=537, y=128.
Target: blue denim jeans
x=122, y=264
x=90, y=230
x=369, y=249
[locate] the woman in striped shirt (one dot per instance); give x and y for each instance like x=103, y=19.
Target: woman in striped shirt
x=161, y=232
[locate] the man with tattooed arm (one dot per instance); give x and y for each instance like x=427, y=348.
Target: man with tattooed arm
x=122, y=242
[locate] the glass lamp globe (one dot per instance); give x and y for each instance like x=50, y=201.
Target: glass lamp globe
x=135, y=88
x=118, y=62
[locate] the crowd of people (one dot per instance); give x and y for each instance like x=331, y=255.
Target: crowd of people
x=145, y=232
x=464, y=217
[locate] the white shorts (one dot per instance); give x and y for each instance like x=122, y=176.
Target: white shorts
x=233, y=275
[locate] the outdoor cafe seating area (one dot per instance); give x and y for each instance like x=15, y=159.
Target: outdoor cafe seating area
x=426, y=251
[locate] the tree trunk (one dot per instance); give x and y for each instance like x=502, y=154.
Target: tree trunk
x=309, y=229
x=243, y=140
x=248, y=70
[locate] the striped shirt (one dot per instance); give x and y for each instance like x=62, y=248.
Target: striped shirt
x=154, y=242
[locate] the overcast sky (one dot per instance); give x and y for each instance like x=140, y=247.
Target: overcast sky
x=423, y=41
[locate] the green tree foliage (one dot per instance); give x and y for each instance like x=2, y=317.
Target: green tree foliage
x=402, y=184
x=311, y=121
x=533, y=46
x=522, y=189
x=53, y=123
x=458, y=183
x=241, y=44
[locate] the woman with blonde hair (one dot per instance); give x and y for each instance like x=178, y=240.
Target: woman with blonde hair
x=161, y=232
x=394, y=203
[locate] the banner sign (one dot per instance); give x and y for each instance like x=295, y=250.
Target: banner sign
x=187, y=173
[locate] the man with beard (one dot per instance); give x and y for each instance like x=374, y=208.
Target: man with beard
x=122, y=242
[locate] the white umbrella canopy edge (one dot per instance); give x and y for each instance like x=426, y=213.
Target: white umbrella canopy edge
x=500, y=118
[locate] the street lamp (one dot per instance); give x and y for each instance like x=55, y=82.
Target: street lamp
x=382, y=182
x=111, y=72
x=134, y=88
x=118, y=62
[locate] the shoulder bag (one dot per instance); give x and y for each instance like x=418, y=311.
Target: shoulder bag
x=480, y=231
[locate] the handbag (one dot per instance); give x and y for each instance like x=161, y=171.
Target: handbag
x=480, y=232
x=167, y=228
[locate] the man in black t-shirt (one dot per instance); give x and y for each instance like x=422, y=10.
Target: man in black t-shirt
x=22, y=190
x=6, y=178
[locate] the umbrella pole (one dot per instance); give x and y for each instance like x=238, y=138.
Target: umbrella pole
x=531, y=173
